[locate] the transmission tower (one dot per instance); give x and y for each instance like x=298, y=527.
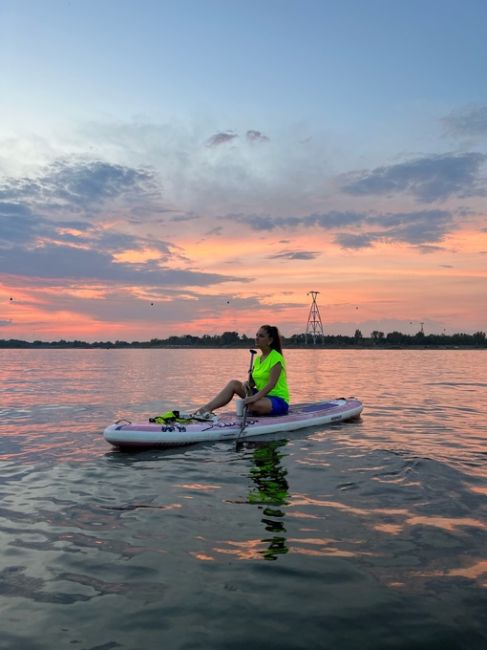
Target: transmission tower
x=314, y=325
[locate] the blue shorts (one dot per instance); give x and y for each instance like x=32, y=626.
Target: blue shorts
x=279, y=405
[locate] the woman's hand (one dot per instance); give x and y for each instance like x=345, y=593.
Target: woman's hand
x=250, y=400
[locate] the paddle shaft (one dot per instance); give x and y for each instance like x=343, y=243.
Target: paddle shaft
x=246, y=409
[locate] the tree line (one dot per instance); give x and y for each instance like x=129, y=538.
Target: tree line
x=234, y=340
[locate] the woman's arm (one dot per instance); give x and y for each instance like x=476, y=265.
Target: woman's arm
x=273, y=378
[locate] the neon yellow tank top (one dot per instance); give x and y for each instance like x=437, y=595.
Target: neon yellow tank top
x=261, y=371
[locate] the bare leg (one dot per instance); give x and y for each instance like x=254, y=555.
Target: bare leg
x=233, y=387
x=263, y=406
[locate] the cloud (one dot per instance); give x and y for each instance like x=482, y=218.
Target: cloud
x=73, y=187
x=468, y=121
x=327, y=221
x=221, y=138
x=95, y=182
x=425, y=249
x=66, y=262
x=24, y=225
x=18, y=223
x=5, y=323
x=265, y=222
x=428, y=179
x=351, y=240
x=256, y=136
x=212, y=170
x=214, y=232
x=420, y=227
x=416, y=227
x=184, y=217
x=39, y=237
x=331, y=220
x=297, y=255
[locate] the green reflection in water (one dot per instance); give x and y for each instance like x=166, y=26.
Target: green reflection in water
x=271, y=491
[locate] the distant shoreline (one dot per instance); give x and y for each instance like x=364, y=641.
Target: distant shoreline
x=234, y=341
x=87, y=346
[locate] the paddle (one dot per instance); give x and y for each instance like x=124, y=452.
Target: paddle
x=246, y=410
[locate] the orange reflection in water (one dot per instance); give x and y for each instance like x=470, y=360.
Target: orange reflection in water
x=476, y=571
x=323, y=552
x=449, y=524
x=479, y=489
x=255, y=549
x=390, y=529
x=302, y=515
x=313, y=462
x=445, y=523
x=327, y=548
x=251, y=549
x=200, y=487
x=313, y=540
x=203, y=557
x=301, y=500
x=396, y=481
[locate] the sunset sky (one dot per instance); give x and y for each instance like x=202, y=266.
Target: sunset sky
x=197, y=166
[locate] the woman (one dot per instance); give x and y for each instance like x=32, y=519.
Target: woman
x=268, y=392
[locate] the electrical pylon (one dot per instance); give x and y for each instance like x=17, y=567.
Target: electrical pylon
x=314, y=325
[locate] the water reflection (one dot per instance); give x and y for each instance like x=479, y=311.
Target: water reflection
x=270, y=493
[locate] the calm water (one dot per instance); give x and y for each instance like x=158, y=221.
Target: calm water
x=363, y=535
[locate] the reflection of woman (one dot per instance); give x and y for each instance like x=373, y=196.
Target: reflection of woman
x=268, y=475
x=272, y=492
x=267, y=393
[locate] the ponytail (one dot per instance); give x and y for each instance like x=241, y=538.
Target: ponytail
x=273, y=332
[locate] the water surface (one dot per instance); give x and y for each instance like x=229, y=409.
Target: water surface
x=368, y=534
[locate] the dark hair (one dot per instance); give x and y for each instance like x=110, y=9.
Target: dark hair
x=273, y=332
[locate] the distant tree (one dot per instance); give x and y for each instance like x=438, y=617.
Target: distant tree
x=479, y=338
x=396, y=338
x=230, y=338
x=358, y=335
x=377, y=336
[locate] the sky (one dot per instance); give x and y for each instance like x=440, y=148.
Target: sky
x=200, y=166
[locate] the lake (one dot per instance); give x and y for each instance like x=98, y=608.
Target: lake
x=363, y=535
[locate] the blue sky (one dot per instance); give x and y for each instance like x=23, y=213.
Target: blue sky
x=238, y=61
x=338, y=137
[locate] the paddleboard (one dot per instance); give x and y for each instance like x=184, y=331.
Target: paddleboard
x=228, y=426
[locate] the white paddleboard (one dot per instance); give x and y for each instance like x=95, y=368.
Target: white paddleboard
x=228, y=426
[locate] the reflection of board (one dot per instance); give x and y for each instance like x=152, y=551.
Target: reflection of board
x=228, y=426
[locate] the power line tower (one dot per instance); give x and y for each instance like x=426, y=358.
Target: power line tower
x=314, y=325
